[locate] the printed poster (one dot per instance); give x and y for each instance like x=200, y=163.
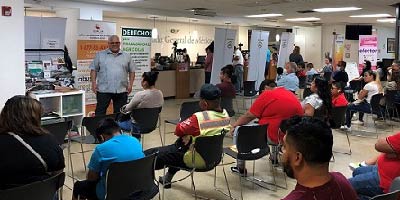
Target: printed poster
x=92, y=37
x=258, y=56
x=286, y=48
x=223, y=51
x=137, y=42
x=368, y=50
x=339, y=50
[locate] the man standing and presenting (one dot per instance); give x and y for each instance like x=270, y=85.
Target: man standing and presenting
x=238, y=62
x=109, y=75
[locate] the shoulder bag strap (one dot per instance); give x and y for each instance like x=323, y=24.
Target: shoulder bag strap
x=30, y=149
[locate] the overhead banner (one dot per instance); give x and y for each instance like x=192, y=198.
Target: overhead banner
x=224, y=41
x=367, y=50
x=258, y=52
x=339, y=49
x=137, y=42
x=92, y=37
x=286, y=48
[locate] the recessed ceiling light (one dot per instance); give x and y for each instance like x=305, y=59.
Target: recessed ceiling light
x=303, y=19
x=265, y=15
x=387, y=20
x=121, y=1
x=371, y=15
x=323, y=10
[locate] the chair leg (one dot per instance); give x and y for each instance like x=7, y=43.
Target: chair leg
x=241, y=189
x=348, y=141
x=83, y=157
x=70, y=162
x=274, y=174
x=193, y=186
x=142, y=140
x=254, y=170
x=163, y=184
x=159, y=130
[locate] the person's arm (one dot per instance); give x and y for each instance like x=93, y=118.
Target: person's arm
x=92, y=176
x=94, y=68
x=131, y=79
x=137, y=98
x=93, y=75
x=362, y=94
x=383, y=146
x=244, y=119
x=281, y=81
x=94, y=166
x=308, y=110
x=189, y=126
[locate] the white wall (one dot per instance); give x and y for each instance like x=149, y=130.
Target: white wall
x=383, y=34
x=12, y=76
x=309, y=40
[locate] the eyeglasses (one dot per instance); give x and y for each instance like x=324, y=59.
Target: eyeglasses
x=114, y=43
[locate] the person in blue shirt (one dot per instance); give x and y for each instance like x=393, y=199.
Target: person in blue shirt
x=290, y=81
x=116, y=147
x=268, y=58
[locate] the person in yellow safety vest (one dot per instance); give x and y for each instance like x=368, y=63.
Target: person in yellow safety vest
x=210, y=121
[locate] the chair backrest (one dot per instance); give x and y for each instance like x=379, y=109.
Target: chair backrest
x=91, y=123
x=388, y=196
x=188, y=109
x=249, y=88
x=338, y=116
x=302, y=82
x=389, y=98
x=59, y=130
x=375, y=106
x=147, y=118
x=39, y=190
x=321, y=114
x=227, y=104
x=356, y=85
x=210, y=149
x=252, y=143
x=395, y=184
x=125, y=178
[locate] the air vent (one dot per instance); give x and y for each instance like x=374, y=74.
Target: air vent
x=316, y=23
x=252, y=4
x=305, y=11
x=203, y=12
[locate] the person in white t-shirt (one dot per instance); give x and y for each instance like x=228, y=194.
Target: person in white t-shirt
x=237, y=63
x=362, y=105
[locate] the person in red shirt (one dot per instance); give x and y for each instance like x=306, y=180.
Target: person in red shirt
x=338, y=98
x=372, y=180
x=271, y=107
x=307, y=150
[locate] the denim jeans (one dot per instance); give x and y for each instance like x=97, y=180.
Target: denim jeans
x=361, y=108
x=365, y=182
x=134, y=128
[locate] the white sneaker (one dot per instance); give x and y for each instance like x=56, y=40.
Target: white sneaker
x=343, y=127
x=354, y=166
x=358, y=122
x=346, y=128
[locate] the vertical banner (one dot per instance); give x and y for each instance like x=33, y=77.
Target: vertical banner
x=258, y=52
x=92, y=37
x=339, y=50
x=137, y=42
x=367, y=50
x=224, y=41
x=286, y=48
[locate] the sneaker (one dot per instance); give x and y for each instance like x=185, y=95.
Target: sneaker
x=356, y=165
x=343, y=127
x=241, y=172
x=167, y=184
x=346, y=128
x=358, y=122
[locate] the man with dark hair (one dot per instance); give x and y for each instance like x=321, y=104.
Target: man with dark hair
x=290, y=81
x=210, y=121
x=340, y=75
x=266, y=85
x=115, y=147
x=307, y=150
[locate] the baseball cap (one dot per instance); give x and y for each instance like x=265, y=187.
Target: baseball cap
x=210, y=92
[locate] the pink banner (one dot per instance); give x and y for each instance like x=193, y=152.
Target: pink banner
x=368, y=50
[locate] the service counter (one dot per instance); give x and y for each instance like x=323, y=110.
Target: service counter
x=167, y=81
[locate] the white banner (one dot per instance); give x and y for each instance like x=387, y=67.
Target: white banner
x=286, y=48
x=137, y=42
x=92, y=37
x=223, y=51
x=258, y=53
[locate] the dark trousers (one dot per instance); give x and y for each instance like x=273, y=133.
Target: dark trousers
x=85, y=190
x=207, y=77
x=104, y=99
x=361, y=108
x=167, y=156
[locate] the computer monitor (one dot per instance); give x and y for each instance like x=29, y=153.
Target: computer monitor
x=157, y=56
x=201, y=60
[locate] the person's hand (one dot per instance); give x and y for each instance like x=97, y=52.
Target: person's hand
x=129, y=89
x=94, y=87
x=231, y=131
x=186, y=139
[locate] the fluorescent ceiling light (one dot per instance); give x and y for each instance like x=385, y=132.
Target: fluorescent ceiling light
x=371, y=15
x=265, y=15
x=121, y=1
x=304, y=19
x=154, y=33
x=387, y=20
x=323, y=10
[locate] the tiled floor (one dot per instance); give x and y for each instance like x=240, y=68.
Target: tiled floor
x=363, y=148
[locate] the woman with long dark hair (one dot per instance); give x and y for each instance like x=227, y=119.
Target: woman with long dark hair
x=29, y=153
x=320, y=100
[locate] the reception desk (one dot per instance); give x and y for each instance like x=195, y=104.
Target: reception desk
x=167, y=79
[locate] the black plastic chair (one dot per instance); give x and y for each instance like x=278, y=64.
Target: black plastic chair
x=227, y=104
x=90, y=124
x=187, y=109
x=390, y=103
x=60, y=130
x=338, y=120
x=302, y=82
x=375, y=109
x=388, y=196
x=252, y=144
x=249, y=88
x=39, y=190
x=131, y=180
x=147, y=119
x=210, y=149
x=395, y=184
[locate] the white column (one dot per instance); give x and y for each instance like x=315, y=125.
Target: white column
x=71, y=31
x=12, y=53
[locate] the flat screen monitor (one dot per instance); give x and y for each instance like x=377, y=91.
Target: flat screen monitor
x=354, y=31
x=201, y=59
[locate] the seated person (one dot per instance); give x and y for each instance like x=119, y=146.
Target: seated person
x=310, y=70
x=301, y=70
x=307, y=150
x=228, y=91
x=179, y=154
x=21, y=137
x=116, y=147
x=271, y=107
x=149, y=97
x=266, y=85
x=290, y=81
x=376, y=177
x=279, y=72
x=338, y=98
x=320, y=99
x=341, y=75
